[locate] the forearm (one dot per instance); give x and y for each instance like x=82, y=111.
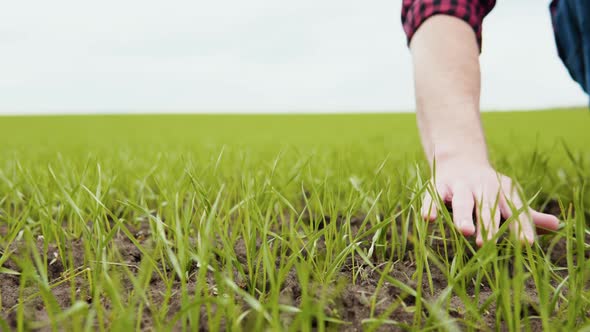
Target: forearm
x=446, y=70
x=447, y=83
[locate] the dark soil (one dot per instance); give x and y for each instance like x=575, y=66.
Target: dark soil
x=351, y=302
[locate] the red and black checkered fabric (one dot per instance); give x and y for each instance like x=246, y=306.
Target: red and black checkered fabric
x=416, y=12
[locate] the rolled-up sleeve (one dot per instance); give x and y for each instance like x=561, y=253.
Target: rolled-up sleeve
x=416, y=12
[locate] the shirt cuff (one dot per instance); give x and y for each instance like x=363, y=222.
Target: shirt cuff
x=416, y=12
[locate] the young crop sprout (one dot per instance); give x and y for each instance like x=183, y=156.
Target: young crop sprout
x=267, y=222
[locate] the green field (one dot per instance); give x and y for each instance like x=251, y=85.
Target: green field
x=278, y=222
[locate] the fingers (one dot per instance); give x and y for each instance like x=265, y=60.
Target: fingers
x=493, y=196
x=430, y=206
x=520, y=224
x=463, y=210
x=429, y=209
x=488, y=218
x=544, y=222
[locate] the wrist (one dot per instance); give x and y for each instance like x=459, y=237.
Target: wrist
x=455, y=137
x=463, y=155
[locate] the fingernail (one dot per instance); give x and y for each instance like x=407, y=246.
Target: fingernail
x=467, y=227
x=479, y=241
x=530, y=239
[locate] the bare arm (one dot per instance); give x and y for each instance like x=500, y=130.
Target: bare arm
x=447, y=78
x=447, y=82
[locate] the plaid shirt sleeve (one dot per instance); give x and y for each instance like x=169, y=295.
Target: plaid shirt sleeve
x=416, y=12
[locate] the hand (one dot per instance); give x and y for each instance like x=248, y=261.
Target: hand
x=467, y=185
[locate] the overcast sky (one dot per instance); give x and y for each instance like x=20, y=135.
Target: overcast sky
x=257, y=55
